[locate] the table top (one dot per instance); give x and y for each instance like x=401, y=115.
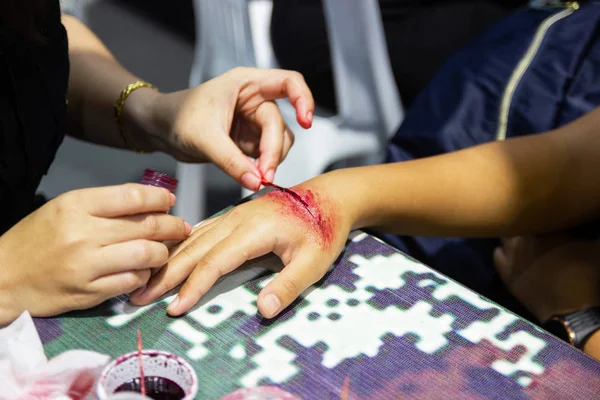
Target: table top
x=390, y=326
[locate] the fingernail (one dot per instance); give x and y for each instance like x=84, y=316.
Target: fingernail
x=271, y=305
x=173, y=306
x=270, y=175
x=309, y=117
x=188, y=228
x=173, y=199
x=251, y=181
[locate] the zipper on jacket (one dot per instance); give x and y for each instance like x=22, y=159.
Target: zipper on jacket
x=569, y=8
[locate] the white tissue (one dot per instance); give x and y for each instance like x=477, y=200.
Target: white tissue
x=26, y=372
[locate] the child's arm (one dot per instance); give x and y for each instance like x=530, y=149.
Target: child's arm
x=539, y=183
x=535, y=183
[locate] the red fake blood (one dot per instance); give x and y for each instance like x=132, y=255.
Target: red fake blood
x=142, y=380
x=295, y=195
x=303, y=204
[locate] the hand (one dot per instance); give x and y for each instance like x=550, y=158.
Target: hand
x=551, y=275
x=306, y=240
x=85, y=247
x=231, y=117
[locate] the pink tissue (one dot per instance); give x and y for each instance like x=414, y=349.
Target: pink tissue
x=26, y=372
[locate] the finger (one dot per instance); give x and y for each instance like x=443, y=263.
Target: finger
x=145, y=226
x=121, y=283
x=196, y=233
x=122, y=200
x=288, y=142
x=204, y=223
x=178, y=267
x=226, y=256
x=277, y=84
x=272, y=126
x=291, y=282
x=228, y=157
x=132, y=255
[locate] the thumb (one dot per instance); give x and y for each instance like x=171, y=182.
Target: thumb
x=228, y=157
x=290, y=283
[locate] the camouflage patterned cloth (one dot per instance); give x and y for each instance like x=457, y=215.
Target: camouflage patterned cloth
x=390, y=326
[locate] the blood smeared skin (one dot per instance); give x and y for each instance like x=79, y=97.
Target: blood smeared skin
x=295, y=195
x=305, y=206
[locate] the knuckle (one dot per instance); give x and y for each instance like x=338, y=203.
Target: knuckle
x=72, y=237
x=298, y=76
x=207, y=263
x=151, y=225
x=229, y=164
x=246, y=253
x=142, y=253
x=65, y=204
x=290, y=287
x=133, y=195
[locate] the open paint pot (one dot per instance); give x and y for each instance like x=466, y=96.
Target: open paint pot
x=167, y=376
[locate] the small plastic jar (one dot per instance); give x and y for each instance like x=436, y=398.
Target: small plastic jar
x=159, y=179
x=157, y=365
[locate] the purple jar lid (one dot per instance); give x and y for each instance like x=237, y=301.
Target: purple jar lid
x=159, y=179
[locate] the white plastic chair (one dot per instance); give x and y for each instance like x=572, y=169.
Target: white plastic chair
x=234, y=33
x=76, y=8
x=369, y=107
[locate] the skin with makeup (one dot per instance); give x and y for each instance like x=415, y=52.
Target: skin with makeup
x=117, y=232
x=524, y=186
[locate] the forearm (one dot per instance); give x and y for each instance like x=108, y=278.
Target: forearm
x=95, y=83
x=533, y=184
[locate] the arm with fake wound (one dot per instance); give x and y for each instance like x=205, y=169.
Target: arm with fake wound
x=532, y=184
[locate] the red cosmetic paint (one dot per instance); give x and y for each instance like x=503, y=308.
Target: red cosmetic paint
x=142, y=380
x=295, y=195
x=159, y=388
x=305, y=206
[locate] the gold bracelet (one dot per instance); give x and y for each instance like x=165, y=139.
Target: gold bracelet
x=120, y=105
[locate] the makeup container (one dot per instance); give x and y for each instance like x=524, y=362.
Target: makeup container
x=167, y=376
x=159, y=179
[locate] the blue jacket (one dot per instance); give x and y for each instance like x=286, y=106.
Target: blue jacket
x=534, y=71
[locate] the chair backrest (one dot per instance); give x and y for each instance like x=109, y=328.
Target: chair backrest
x=223, y=38
x=366, y=91
x=74, y=7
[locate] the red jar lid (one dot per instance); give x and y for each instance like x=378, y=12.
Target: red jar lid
x=154, y=178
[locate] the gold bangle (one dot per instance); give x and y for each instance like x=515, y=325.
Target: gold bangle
x=120, y=105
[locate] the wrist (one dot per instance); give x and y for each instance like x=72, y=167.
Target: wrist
x=348, y=192
x=592, y=345
x=140, y=118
